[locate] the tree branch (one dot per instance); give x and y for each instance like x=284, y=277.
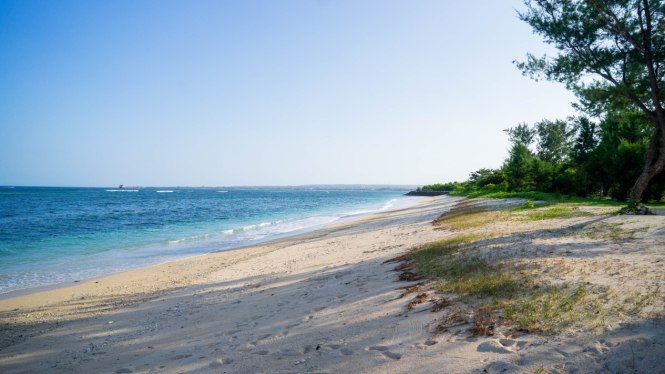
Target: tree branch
x=615, y=26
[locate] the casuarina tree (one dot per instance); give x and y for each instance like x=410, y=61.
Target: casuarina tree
x=608, y=51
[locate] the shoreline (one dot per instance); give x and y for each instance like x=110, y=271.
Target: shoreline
x=338, y=300
x=263, y=241
x=224, y=311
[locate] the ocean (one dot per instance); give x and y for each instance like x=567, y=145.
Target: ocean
x=54, y=235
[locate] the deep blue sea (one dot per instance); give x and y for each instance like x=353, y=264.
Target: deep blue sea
x=52, y=235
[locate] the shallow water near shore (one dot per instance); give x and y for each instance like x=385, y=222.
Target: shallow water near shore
x=53, y=235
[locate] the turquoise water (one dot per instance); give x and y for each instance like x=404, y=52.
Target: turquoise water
x=53, y=235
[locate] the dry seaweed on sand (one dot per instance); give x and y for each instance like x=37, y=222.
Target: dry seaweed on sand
x=410, y=289
x=483, y=323
x=440, y=304
x=417, y=301
x=454, y=318
x=406, y=274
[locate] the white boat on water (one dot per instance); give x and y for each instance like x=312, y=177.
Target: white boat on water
x=123, y=187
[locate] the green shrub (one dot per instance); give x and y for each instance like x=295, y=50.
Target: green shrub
x=488, y=187
x=440, y=187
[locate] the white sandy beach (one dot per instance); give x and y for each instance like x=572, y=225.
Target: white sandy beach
x=321, y=302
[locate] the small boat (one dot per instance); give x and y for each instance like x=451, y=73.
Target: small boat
x=123, y=187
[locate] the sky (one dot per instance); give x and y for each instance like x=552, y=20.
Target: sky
x=231, y=93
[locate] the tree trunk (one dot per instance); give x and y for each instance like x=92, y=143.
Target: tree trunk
x=606, y=188
x=652, y=166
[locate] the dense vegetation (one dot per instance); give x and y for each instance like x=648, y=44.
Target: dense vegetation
x=610, y=54
x=573, y=157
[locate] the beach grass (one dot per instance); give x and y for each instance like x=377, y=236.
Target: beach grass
x=515, y=290
x=469, y=215
x=555, y=198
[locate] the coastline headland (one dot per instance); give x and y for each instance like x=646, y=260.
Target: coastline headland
x=426, y=193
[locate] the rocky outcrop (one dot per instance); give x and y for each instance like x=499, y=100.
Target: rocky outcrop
x=427, y=193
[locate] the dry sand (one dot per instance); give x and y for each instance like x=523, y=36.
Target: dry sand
x=324, y=302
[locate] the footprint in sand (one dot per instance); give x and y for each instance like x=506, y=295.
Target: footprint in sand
x=255, y=318
x=263, y=336
x=378, y=348
x=394, y=356
x=289, y=327
x=307, y=319
x=318, y=309
x=232, y=332
x=306, y=349
x=346, y=352
x=179, y=357
x=260, y=353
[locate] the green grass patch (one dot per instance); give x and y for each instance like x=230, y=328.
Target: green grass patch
x=557, y=212
x=515, y=292
x=555, y=198
x=550, y=197
x=551, y=308
x=467, y=217
x=462, y=218
x=613, y=232
x=527, y=206
x=449, y=260
x=428, y=256
x=486, y=281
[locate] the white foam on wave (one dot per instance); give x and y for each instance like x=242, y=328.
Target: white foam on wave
x=153, y=254
x=388, y=205
x=222, y=191
x=122, y=190
x=163, y=191
x=190, y=239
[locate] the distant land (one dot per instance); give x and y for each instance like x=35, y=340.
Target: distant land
x=369, y=187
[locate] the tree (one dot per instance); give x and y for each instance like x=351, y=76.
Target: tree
x=480, y=174
x=543, y=174
x=609, y=51
x=518, y=168
x=585, y=142
x=553, y=140
x=521, y=132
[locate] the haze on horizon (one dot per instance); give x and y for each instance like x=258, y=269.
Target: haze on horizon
x=209, y=93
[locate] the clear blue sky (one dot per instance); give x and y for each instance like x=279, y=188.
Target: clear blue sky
x=165, y=93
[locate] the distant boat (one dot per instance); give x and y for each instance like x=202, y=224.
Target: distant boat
x=123, y=187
